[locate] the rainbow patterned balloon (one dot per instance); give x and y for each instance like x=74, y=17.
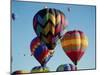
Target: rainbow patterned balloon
x=40, y=51
x=48, y=24
x=74, y=44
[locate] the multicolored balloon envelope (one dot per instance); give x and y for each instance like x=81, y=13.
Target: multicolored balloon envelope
x=20, y=72
x=40, y=69
x=66, y=67
x=40, y=51
x=74, y=44
x=48, y=24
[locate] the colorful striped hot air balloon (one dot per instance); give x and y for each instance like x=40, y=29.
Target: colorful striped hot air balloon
x=40, y=51
x=20, y=72
x=66, y=67
x=48, y=24
x=74, y=44
x=39, y=69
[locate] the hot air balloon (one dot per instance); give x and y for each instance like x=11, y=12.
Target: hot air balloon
x=74, y=44
x=40, y=69
x=20, y=72
x=48, y=24
x=40, y=51
x=13, y=16
x=66, y=67
x=69, y=9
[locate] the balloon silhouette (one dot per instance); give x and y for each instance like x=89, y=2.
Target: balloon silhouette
x=69, y=9
x=74, y=44
x=40, y=51
x=40, y=69
x=13, y=16
x=66, y=67
x=48, y=24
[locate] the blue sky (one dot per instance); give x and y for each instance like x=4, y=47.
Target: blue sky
x=81, y=17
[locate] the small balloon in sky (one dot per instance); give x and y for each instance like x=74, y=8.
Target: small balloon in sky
x=24, y=55
x=13, y=16
x=69, y=9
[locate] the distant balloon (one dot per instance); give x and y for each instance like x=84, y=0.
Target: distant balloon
x=19, y=72
x=66, y=67
x=13, y=16
x=40, y=69
x=48, y=24
x=69, y=9
x=11, y=58
x=74, y=44
x=40, y=51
